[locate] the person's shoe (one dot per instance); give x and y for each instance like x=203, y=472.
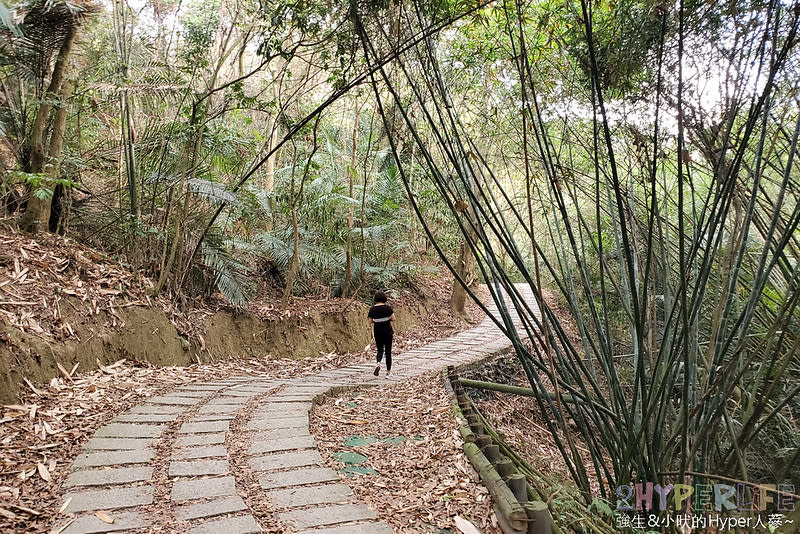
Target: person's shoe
x=377, y=370
x=389, y=374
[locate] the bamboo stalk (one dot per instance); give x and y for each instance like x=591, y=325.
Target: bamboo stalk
x=507, y=504
x=519, y=487
x=507, y=388
x=525, y=392
x=539, y=520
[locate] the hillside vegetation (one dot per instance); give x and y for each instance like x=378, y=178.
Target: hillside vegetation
x=636, y=160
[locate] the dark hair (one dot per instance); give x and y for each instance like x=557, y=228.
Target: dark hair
x=380, y=296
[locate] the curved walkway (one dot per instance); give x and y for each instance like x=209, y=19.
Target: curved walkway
x=200, y=459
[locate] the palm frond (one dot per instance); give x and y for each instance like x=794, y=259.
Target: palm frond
x=213, y=191
x=229, y=275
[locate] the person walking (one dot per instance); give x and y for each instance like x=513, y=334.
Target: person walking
x=381, y=316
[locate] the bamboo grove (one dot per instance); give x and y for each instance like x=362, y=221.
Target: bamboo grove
x=634, y=162
x=209, y=146
x=674, y=242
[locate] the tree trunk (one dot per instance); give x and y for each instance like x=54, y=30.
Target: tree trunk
x=54, y=153
x=126, y=124
x=351, y=177
x=272, y=130
x=465, y=267
x=294, y=265
x=295, y=195
x=269, y=184
x=181, y=199
x=37, y=212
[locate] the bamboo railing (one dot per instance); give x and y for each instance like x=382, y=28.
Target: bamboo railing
x=516, y=512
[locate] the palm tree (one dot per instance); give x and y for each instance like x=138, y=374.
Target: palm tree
x=34, y=62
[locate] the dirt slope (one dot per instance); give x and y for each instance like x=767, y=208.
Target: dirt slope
x=62, y=305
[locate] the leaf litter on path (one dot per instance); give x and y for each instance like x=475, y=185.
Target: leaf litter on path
x=423, y=483
x=42, y=435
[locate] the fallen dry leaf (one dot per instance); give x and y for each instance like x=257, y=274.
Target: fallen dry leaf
x=8, y=514
x=64, y=506
x=43, y=472
x=104, y=517
x=466, y=526
x=421, y=479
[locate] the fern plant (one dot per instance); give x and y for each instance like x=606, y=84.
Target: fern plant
x=223, y=270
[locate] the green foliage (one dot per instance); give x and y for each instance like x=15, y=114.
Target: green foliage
x=675, y=250
x=226, y=273
x=41, y=185
x=200, y=25
x=601, y=506
x=212, y=191
x=624, y=37
x=358, y=441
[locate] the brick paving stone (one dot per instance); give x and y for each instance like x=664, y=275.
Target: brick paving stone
x=297, y=477
x=191, y=440
x=307, y=387
x=303, y=396
x=204, y=427
x=292, y=398
x=98, y=459
x=213, y=417
x=204, y=488
x=144, y=418
x=191, y=394
x=282, y=444
x=276, y=410
x=266, y=435
x=108, y=499
x=171, y=400
x=198, y=468
x=89, y=524
x=254, y=389
x=105, y=477
x=327, y=515
x=306, y=496
x=264, y=383
x=129, y=430
x=237, y=393
x=211, y=451
x=268, y=405
x=231, y=401
x=361, y=368
x=362, y=528
x=279, y=415
x=200, y=387
x=271, y=423
x=109, y=444
x=243, y=524
x=219, y=409
x=227, y=505
x=284, y=460
x=157, y=409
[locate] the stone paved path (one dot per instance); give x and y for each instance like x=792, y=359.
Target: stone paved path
x=188, y=460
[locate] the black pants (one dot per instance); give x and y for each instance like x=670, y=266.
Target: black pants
x=384, y=344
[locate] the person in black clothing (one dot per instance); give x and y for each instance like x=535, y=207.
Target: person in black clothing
x=381, y=316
